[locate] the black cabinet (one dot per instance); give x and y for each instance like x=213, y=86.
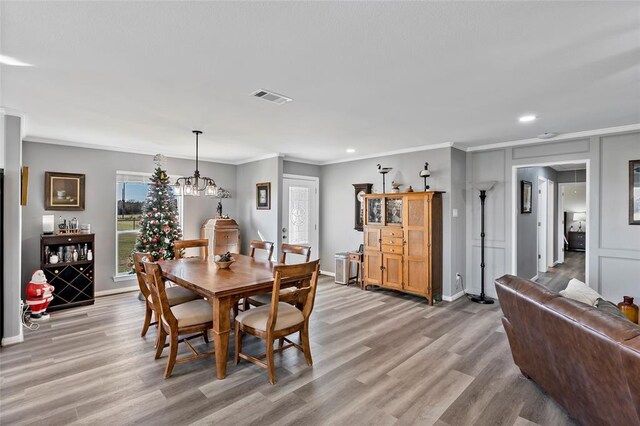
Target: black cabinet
x=577, y=241
x=73, y=279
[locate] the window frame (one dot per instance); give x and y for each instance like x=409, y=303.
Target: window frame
x=120, y=276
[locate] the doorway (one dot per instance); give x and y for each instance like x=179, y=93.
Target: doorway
x=550, y=239
x=300, y=213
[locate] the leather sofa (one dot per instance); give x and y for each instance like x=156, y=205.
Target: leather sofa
x=586, y=359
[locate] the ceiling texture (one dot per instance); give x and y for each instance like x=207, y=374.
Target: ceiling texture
x=376, y=77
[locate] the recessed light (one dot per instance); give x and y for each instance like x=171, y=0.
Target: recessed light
x=527, y=118
x=351, y=150
x=8, y=60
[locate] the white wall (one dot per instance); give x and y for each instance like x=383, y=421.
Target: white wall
x=575, y=200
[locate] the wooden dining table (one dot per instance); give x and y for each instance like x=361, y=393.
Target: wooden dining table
x=223, y=288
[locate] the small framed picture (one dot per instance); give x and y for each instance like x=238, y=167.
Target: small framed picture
x=63, y=191
x=634, y=192
x=263, y=196
x=525, y=196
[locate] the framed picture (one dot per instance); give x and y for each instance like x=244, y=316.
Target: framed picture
x=525, y=196
x=24, y=186
x=63, y=191
x=263, y=196
x=634, y=192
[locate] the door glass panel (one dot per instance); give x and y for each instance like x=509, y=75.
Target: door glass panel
x=374, y=210
x=394, y=210
x=298, y=215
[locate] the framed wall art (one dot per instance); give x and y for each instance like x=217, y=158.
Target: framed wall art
x=63, y=191
x=525, y=196
x=263, y=196
x=634, y=192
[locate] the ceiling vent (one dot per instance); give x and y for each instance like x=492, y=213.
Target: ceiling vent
x=271, y=97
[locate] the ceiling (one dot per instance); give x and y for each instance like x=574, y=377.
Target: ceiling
x=568, y=167
x=376, y=77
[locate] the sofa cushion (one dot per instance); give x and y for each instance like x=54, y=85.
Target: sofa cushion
x=577, y=290
x=606, y=306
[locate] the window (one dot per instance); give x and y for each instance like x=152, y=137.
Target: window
x=131, y=192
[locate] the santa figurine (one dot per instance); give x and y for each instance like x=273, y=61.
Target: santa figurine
x=39, y=295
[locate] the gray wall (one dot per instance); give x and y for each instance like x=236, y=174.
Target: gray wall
x=458, y=224
x=304, y=169
x=259, y=224
x=527, y=223
x=337, y=201
x=100, y=169
x=613, y=245
x=12, y=328
x=571, y=176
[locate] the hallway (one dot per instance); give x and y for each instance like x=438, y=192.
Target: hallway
x=557, y=277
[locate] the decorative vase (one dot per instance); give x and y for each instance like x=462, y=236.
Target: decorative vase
x=628, y=308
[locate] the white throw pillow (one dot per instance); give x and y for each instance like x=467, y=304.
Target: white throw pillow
x=577, y=290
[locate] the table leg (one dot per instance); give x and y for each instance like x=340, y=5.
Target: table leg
x=221, y=329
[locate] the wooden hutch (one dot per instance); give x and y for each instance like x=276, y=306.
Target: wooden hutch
x=403, y=242
x=223, y=235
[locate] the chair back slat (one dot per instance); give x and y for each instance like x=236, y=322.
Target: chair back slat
x=138, y=264
x=180, y=246
x=295, y=249
x=156, y=283
x=262, y=245
x=305, y=276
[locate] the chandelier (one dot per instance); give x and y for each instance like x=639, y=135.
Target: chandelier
x=195, y=185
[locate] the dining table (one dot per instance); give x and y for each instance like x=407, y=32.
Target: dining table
x=223, y=288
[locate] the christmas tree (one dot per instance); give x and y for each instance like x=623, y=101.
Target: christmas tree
x=159, y=225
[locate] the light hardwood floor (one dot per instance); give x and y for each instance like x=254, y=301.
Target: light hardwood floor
x=379, y=358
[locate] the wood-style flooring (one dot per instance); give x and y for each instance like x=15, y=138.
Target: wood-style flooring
x=557, y=277
x=380, y=358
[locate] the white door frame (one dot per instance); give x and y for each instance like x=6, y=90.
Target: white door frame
x=515, y=209
x=560, y=232
x=551, y=190
x=317, y=212
x=541, y=229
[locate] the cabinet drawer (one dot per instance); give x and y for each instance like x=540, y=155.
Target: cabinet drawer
x=391, y=249
x=392, y=241
x=226, y=237
x=391, y=233
x=67, y=239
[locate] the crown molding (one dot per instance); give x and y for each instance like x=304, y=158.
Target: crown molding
x=121, y=149
x=262, y=157
x=394, y=152
x=561, y=137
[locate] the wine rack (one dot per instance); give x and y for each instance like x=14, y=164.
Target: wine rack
x=73, y=279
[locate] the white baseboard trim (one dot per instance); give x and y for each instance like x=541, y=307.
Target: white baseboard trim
x=456, y=296
x=12, y=340
x=331, y=274
x=534, y=278
x=117, y=291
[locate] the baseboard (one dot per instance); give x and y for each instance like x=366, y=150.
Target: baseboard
x=454, y=297
x=331, y=274
x=534, y=278
x=12, y=340
x=117, y=291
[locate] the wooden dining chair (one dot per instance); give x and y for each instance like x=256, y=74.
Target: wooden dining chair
x=194, y=319
x=294, y=249
x=265, y=298
x=280, y=318
x=179, y=247
x=268, y=246
x=175, y=295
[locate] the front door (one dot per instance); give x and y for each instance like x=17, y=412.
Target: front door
x=300, y=214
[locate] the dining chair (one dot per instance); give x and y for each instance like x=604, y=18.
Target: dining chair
x=194, y=319
x=265, y=298
x=175, y=295
x=294, y=249
x=179, y=247
x=262, y=245
x=281, y=318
